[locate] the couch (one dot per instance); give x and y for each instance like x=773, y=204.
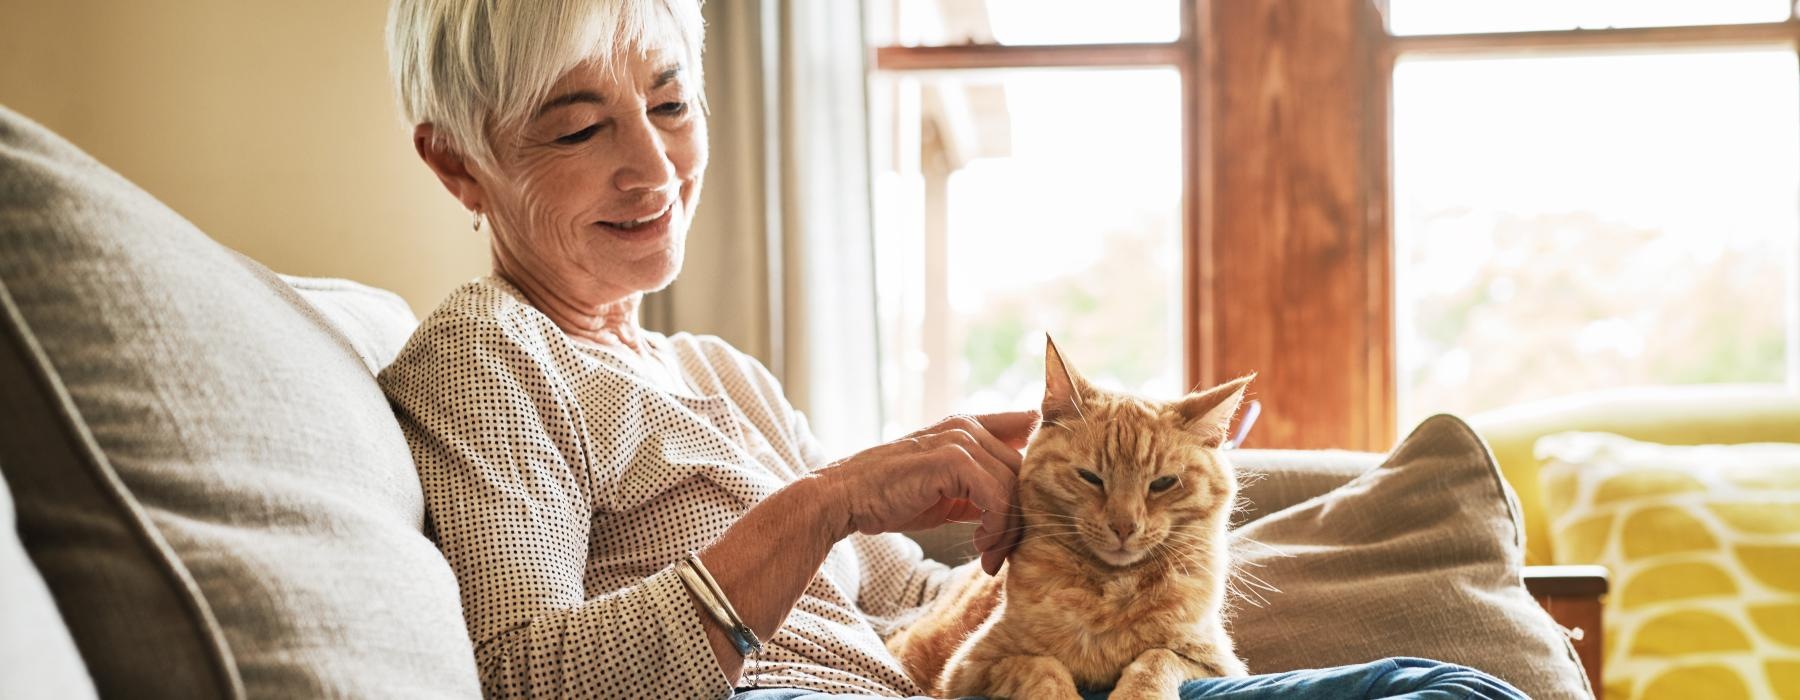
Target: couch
x=1677, y=415
x=206, y=495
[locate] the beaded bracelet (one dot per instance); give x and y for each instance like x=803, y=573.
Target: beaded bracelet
x=700, y=582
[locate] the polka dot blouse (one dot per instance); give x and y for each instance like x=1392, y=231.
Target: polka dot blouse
x=563, y=480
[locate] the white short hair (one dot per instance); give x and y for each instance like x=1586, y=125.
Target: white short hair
x=467, y=65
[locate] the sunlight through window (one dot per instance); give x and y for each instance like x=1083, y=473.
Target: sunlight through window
x=1581, y=222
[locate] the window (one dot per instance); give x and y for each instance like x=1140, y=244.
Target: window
x=1386, y=208
x=1042, y=194
x=1592, y=217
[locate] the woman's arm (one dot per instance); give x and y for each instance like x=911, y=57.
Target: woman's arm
x=961, y=468
x=896, y=576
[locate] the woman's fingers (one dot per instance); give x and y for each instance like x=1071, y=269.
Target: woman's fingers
x=996, y=505
x=969, y=467
x=989, y=442
x=999, y=532
x=982, y=455
x=987, y=485
x=993, y=558
x=1012, y=428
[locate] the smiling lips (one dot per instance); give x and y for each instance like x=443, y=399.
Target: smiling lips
x=649, y=226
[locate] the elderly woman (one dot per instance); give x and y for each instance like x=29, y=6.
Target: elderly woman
x=572, y=460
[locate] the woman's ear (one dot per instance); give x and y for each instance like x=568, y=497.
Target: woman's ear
x=452, y=168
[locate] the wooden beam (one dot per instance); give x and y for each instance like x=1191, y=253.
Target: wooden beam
x=1585, y=40
x=1294, y=279
x=1380, y=386
x=1196, y=263
x=991, y=56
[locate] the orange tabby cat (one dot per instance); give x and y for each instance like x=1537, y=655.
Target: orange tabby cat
x=1119, y=579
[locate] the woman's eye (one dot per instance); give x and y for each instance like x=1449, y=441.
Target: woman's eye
x=579, y=136
x=1162, y=484
x=671, y=109
x=1089, y=477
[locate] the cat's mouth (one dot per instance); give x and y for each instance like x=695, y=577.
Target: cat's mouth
x=1120, y=555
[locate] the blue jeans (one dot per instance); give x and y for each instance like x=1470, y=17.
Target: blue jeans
x=1398, y=677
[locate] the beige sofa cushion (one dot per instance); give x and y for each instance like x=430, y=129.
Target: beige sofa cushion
x=261, y=528
x=376, y=322
x=1419, y=556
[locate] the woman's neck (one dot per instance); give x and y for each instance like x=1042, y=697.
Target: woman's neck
x=612, y=323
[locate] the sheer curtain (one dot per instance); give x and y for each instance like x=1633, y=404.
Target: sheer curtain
x=779, y=260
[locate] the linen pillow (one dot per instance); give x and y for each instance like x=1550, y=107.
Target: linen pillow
x=1704, y=548
x=1419, y=556
x=1271, y=481
x=214, y=488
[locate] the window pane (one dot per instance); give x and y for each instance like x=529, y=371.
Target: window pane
x=1573, y=223
x=1471, y=16
x=1017, y=203
x=1023, y=22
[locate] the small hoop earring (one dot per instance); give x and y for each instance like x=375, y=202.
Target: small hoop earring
x=478, y=218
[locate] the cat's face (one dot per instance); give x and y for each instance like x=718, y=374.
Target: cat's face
x=1122, y=479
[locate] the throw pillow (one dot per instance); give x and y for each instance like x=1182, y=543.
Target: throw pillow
x=210, y=482
x=1419, y=556
x=1704, y=548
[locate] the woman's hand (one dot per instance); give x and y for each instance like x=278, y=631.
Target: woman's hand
x=962, y=469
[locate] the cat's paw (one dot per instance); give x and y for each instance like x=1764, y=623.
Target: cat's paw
x=1028, y=678
x=1145, y=691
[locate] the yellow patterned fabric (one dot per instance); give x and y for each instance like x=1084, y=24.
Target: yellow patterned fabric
x=1704, y=548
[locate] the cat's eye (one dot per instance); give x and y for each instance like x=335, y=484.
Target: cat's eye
x=1090, y=477
x=1162, y=484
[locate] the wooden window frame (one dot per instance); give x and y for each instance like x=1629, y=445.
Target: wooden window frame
x=1287, y=227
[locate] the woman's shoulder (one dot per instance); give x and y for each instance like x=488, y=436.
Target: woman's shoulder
x=483, y=303
x=483, y=311
x=481, y=321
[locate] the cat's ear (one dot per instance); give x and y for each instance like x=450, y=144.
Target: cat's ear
x=1208, y=413
x=1062, y=386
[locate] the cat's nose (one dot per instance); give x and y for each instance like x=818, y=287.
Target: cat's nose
x=1124, y=529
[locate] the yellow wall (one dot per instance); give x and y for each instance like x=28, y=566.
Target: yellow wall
x=269, y=123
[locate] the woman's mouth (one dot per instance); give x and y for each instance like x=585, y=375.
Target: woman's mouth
x=643, y=228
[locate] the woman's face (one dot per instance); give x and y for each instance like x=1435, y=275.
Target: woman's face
x=592, y=197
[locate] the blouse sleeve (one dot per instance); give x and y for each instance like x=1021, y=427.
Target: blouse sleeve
x=495, y=433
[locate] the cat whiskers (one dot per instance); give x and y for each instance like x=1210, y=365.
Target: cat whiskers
x=1038, y=531
x=1240, y=583
x=1271, y=549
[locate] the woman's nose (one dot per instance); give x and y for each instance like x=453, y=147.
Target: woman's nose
x=644, y=158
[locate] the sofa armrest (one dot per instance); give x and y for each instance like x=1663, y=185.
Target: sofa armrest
x=1572, y=595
